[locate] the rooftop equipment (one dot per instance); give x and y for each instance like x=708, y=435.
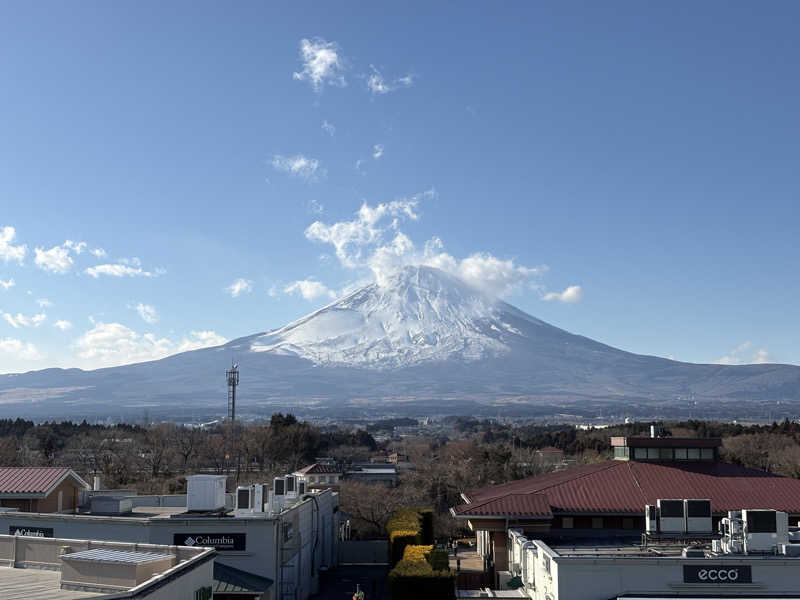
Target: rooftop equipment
x=672, y=518
x=765, y=530
x=651, y=519
x=698, y=516
x=205, y=492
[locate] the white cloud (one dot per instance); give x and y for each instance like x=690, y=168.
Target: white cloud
x=322, y=64
x=377, y=151
x=8, y=251
x=76, y=247
x=239, y=287
x=378, y=85
x=108, y=344
x=44, y=302
x=6, y=285
x=112, y=344
x=125, y=267
x=298, y=166
x=19, y=349
x=55, y=260
x=98, y=252
x=329, y=128
x=373, y=240
x=309, y=289
x=349, y=238
x=315, y=208
x=744, y=354
x=148, y=313
x=201, y=339
x=572, y=294
x=63, y=325
x=20, y=320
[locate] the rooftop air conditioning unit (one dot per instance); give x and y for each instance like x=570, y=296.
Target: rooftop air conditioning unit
x=205, y=492
x=651, y=519
x=301, y=487
x=671, y=516
x=291, y=485
x=765, y=530
x=257, y=501
x=244, y=499
x=698, y=516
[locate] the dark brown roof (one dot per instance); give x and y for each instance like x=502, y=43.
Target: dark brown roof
x=615, y=487
x=649, y=442
x=33, y=480
x=318, y=468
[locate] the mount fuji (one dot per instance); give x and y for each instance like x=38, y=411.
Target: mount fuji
x=420, y=342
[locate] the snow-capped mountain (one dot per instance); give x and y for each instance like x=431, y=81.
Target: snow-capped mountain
x=422, y=341
x=418, y=315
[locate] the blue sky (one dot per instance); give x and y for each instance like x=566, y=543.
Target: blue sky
x=624, y=170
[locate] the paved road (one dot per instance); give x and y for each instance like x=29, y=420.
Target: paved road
x=342, y=583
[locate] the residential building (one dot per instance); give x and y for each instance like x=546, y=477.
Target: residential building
x=320, y=475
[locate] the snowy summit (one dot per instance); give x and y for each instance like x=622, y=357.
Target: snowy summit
x=417, y=315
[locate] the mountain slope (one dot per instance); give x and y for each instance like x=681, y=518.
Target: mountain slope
x=422, y=342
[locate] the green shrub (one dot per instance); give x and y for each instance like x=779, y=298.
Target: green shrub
x=403, y=528
x=426, y=515
x=439, y=559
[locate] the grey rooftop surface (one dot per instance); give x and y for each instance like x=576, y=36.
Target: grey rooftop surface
x=36, y=584
x=115, y=556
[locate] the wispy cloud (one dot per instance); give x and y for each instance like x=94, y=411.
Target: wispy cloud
x=201, y=339
x=309, y=289
x=745, y=354
x=377, y=151
x=321, y=63
x=8, y=251
x=98, y=252
x=572, y=294
x=19, y=349
x=239, y=287
x=62, y=325
x=125, y=267
x=329, y=128
x=7, y=285
x=315, y=208
x=379, y=85
x=298, y=166
x=147, y=312
x=44, y=302
x=20, y=320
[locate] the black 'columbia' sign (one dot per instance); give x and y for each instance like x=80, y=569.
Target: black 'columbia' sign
x=30, y=531
x=724, y=574
x=218, y=541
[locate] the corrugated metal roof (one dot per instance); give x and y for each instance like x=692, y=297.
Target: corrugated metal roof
x=30, y=480
x=529, y=505
x=625, y=487
x=115, y=556
x=229, y=579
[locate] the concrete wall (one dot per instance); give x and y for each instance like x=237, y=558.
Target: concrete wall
x=184, y=587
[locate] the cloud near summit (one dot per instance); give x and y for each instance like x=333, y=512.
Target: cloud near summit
x=373, y=241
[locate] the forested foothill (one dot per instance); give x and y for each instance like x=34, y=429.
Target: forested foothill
x=453, y=455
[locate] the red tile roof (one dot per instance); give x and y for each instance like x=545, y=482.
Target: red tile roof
x=31, y=480
x=626, y=486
